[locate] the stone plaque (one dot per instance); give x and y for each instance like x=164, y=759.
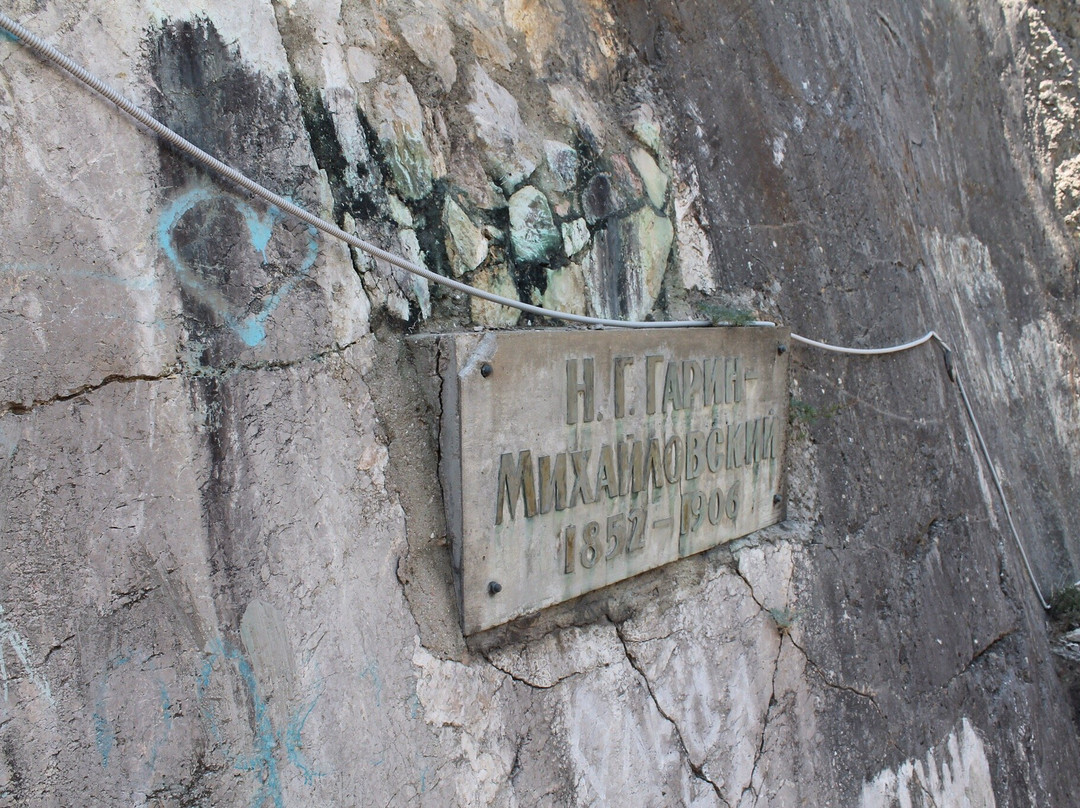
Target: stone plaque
x=575, y=459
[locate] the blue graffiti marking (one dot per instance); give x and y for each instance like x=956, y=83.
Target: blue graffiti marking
x=104, y=736
x=104, y=731
x=414, y=706
x=372, y=672
x=166, y=720
x=268, y=740
x=166, y=706
x=294, y=743
x=250, y=329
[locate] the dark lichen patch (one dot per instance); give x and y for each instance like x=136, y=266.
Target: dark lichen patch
x=430, y=232
x=208, y=95
x=610, y=281
x=355, y=188
x=531, y=280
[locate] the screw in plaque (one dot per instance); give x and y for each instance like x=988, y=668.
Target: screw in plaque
x=777, y=499
x=494, y=588
x=486, y=369
x=781, y=348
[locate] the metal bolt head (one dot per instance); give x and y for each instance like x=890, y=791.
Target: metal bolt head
x=486, y=369
x=781, y=348
x=777, y=499
x=494, y=588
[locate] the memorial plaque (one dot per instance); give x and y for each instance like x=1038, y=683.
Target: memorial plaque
x=575, y=459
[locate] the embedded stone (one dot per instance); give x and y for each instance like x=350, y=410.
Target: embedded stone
x=565, y=290
x=489, y=41
x=466, y=245
x=626, y=183
x=362, y=65
x=400, y=129
x=694, y=251
x=575, y=236
x=655, y=179
x=510, y=151
x=610, y=193
x=410, y=248
x=431, y=39
x=645, y=128
x=575, y=106
x=398, y=212
x=470, y=176
x=483, y=312
x=533, y=234
x=562, y=163
x=383, y=283
x=624, y=269
x=647, y=239
x=596, y=199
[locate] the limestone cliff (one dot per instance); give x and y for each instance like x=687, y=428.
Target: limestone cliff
x=224, y=575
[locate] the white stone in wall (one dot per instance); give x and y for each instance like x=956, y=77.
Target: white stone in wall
x=511, y=152
x=496, y=279
x=410, y=249
x=428, y=34
x=694, y=250
x=647, y=239
x=655, y=179
x=399, y=124
x=575, y=236
x=466, y=245
x=565, y=290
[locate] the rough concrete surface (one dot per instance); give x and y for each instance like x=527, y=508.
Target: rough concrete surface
x=225, y=578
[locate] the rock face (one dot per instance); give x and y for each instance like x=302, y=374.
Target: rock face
x=224, y=578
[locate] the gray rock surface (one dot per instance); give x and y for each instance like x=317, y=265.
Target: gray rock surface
x=225, y=579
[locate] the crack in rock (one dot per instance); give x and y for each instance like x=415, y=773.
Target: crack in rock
x=559, y=655
x=24, y=407
x=818, y=669
x=696, y=769
x=521, y=680
x=749, y=787
x=829, y=682
x=179, y=370
x=986, y=649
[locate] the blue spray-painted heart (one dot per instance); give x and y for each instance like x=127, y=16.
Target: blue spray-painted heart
x=251, y=327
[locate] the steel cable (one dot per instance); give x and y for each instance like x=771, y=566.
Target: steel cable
x=47, y=51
